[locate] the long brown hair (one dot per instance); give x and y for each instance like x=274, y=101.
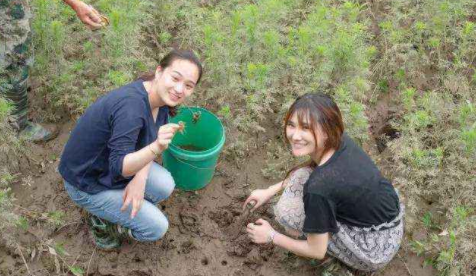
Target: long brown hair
x=167, y=60
x=321, y=111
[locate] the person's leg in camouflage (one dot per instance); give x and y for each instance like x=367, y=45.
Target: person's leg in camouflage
x=15, y=59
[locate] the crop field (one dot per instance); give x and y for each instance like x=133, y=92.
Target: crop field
x=403, y=73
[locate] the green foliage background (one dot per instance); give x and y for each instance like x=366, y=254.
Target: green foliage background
x=260, y=55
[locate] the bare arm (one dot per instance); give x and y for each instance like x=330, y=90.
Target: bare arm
x=314, y=247
x=276, y=188
x=134, y=191
x=138, y=164
x=86, y=13
x=134, y=162
x=261, y=196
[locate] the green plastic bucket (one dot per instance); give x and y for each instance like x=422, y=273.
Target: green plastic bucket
x=192, y=156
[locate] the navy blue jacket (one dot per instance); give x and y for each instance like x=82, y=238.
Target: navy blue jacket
x=115, y=125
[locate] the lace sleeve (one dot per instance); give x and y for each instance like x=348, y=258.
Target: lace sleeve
x=298, y=177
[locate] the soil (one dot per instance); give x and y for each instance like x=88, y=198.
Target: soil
x=197, y=242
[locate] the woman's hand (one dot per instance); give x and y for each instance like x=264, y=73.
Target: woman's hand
x=86, y=13
x=260, y=196
x=134, y=193
x=260, y=231
x=165, y=135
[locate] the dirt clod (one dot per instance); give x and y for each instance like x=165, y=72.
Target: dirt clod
x=187, y=247
x=223, y=217
x=189, y=221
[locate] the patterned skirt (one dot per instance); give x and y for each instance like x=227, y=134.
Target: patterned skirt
x=366, y=249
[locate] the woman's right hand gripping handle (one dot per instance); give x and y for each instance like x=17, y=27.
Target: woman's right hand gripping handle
x=260, y=196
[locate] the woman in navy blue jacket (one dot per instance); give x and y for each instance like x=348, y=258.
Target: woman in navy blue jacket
x=108, y=163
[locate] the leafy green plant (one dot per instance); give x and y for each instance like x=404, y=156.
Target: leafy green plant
x=433, y=157
x=442, y=248
x=260, y=55
x=59, y=255
x=56, y=217
x=110, y=56
x=8, y=218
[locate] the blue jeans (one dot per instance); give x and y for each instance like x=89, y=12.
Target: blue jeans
x=150, y=224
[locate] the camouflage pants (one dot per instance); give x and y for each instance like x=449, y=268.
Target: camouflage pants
x=15, y=59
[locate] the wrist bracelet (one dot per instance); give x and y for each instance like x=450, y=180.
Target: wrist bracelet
x=271, y=236
x=156, y=154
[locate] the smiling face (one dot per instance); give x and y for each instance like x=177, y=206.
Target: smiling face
x=313, y=126
x=176, y=82
x=304, y=137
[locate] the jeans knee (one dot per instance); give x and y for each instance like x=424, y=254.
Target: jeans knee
x=158, y=230
x=153, y=228
x=169, y=184
x=161, y=181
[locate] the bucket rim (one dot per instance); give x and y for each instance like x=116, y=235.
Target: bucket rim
x=198, y=155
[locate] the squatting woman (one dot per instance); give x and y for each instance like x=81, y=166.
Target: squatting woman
x=108, y=163
x=338, y=202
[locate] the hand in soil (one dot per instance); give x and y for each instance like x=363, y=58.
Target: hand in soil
x=259, y=231
x=260, y=196
x=134, y=193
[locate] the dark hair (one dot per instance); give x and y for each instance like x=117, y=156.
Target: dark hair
x=167, y=60
x=321, y=111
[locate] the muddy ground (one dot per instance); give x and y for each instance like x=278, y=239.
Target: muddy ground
x=197, y=242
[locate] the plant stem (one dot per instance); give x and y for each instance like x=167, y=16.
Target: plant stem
x=23, y=258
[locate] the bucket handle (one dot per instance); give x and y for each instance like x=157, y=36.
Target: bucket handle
x=183, y=162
